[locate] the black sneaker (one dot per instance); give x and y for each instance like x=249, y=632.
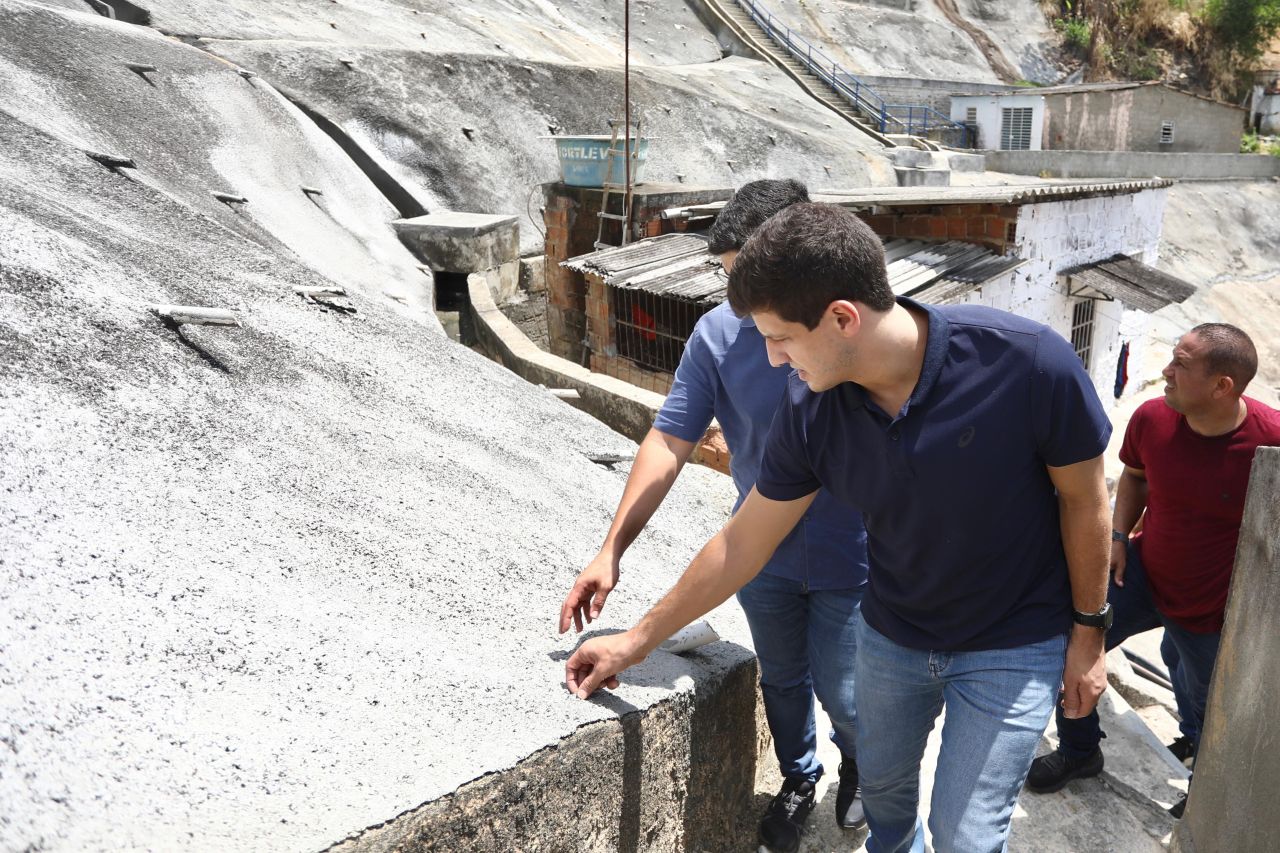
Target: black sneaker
x=784, y=821
x=849, y=797
x=1051, y=772
x=1183, y=748
x=1179, y=807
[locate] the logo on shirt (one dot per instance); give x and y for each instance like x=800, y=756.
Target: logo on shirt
x=966, y=437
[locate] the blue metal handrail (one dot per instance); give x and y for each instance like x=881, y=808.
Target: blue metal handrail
x=888, y=118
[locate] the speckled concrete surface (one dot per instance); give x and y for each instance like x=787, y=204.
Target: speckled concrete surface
x=711, y=124
x=262, y=587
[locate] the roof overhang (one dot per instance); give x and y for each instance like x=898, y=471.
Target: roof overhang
x=1131, y=282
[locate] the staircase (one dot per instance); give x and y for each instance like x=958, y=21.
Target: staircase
x=833, y=87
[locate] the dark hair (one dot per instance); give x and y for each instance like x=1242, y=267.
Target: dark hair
x=805, y=258
x=750, y=206
x=1229, y=352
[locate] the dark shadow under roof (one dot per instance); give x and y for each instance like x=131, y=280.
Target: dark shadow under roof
x=1130, y=281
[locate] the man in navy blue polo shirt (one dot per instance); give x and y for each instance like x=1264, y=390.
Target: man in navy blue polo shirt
x=803, y=606
x=972, y=441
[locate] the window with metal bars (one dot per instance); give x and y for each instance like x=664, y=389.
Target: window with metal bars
x=1166, y=132
x=1082, y=331
x=1015, y=128
x=651, y=330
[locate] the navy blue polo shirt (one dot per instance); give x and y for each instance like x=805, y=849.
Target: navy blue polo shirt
x=725, y=373
x=961, y=516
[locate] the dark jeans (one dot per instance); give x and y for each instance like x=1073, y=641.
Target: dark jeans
x=1188, y=656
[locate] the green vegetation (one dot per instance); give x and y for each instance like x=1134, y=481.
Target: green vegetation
x=1243, y=27
x=1251, y=143
x=1213, y=45
x=1075, y=32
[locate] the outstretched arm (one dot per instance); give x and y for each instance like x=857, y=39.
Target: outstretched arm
x=723, y=566
x=654, y=471
x=1082, y=502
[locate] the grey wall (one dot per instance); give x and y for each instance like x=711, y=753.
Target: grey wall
x=931, y=93
x=1129, y=120
x=1232, y=804
x=1132, y=164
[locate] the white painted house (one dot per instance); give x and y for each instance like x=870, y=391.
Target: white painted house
x=1004, y=122
x=1075, y=256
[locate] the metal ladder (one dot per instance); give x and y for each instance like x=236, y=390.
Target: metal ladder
x=610, y=187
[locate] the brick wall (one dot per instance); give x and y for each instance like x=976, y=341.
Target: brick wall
x=991, y=225
x=571, y=222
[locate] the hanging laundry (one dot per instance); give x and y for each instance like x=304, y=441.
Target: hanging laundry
x=1122, y=369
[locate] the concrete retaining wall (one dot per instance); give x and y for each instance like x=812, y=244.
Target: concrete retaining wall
x=931, y=93
x=1232, y=804
x=677, y=776
x=625, y=408
x=1133, y=164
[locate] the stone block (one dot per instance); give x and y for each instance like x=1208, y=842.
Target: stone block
x=914, y=158
x=911, y=177
x=461, y=242
x=966, y=162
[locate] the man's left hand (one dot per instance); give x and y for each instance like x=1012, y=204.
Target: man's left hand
x=1085, y=675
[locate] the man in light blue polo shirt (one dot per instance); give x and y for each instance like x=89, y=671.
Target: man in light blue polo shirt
x=972, y=440
x=803, y=606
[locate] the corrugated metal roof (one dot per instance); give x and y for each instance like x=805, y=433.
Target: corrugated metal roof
x=636, y=257
x=672, y=266
x=1131, y=282
x=1006, y=194
x=864, y=197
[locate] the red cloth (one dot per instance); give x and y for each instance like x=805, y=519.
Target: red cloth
x=1194, y=505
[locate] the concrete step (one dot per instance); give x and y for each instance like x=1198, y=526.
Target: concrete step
x=910, y=176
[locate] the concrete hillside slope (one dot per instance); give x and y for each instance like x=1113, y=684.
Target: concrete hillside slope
x=990, y=41
x=665, y=32
x=264, y=587
x=194, y=127
x=468, y=132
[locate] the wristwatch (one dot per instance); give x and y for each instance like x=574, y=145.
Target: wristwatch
x=1102, y=619
x=1117, y=536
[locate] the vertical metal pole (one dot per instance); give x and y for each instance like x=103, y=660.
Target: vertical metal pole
x=626, y=107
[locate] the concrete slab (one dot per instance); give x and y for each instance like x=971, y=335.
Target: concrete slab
x=912, y=177
x=462, y=242
x=911, y=157
x=959, y=162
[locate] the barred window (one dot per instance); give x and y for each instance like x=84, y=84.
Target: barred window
x=1082, y=331
x=1166, y=132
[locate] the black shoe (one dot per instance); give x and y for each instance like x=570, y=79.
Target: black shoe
x=1182, y=748
x=1051, y=772
x=849, y=813
x=784, y=821
x=1179, y=807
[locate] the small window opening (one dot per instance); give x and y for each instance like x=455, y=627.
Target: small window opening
x=1082, y=331
x=1166, y=132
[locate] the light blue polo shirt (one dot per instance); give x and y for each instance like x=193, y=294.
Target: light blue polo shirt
x=725, y=373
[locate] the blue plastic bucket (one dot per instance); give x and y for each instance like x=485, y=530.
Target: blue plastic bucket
x=584, y=159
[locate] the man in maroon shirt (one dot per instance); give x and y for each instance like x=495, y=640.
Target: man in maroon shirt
x=1187, y=460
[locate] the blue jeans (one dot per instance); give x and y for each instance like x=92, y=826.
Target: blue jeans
x=1188, y=656
x=998, y=703
x=806, y=644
